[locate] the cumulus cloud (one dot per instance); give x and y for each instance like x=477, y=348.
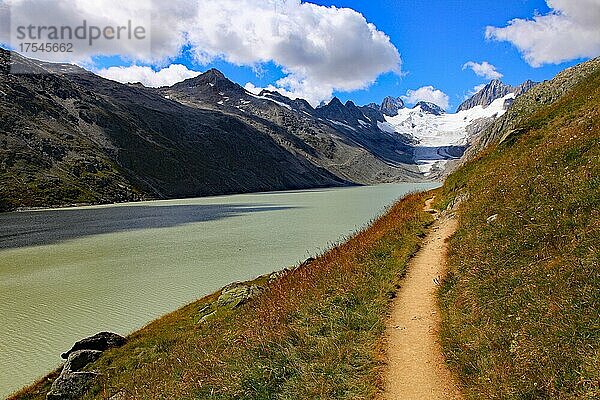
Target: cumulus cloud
x=483, y=69
x=147, y=76
x=74, y=14
x=429, y=94
x=319, y=49
x=570, y=31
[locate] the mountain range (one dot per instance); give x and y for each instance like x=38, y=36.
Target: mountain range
x=68, y=136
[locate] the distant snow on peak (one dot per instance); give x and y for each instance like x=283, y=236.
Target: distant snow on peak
x=265, y=96
x=429, y=108
x=439, y=132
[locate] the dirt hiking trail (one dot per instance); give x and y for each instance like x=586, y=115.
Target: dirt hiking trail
x=416, y=368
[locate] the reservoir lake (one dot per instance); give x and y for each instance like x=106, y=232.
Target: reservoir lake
x=69, y=273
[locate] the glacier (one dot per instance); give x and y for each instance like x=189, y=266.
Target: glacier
x=440, y=138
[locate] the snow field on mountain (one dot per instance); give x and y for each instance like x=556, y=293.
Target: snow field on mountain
x=432, y=133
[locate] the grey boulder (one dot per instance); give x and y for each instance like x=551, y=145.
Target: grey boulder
x=236, y=294
x=72, y=382
x=101, y=341
x=79, y=359
x=71, y=386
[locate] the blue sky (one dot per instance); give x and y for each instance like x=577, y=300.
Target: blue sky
x=360, y=50
x=435, y=38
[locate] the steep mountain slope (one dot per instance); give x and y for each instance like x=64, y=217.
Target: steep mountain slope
x=521, y=304
x=69, y=138
x=73, y=137
x=219, y=153
x=342, y=138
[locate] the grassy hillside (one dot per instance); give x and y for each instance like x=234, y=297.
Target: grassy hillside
x=315, y=332
x=521, y=306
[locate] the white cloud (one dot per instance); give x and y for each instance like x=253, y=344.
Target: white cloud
x=570, y=31
x=320, y=49
x=147, y=76
x=429, y=94
x=97, y=14
x=483, y=69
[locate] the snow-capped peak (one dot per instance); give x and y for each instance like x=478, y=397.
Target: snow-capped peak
x=435, y=134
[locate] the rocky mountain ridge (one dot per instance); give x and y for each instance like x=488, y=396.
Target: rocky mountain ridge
x=77, y=138
x=494, y=90
x=342, y=138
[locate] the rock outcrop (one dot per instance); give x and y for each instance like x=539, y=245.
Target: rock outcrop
x=80, y=359
x=71, y=385
x=236, y=294
x=101, y=341
x=73, y=382
x=391, y=105
x=493, y=91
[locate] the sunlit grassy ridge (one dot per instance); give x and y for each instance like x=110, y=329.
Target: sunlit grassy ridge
x=521, y=306
x=314, y=333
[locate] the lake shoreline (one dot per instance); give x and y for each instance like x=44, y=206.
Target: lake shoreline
x=95, y=204
x=312, y=188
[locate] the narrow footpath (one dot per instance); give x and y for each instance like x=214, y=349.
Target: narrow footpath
x=416, y=367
